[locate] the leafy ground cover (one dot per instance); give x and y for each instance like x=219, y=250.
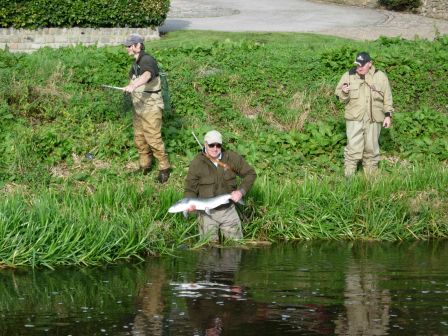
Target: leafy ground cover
x=67, y=150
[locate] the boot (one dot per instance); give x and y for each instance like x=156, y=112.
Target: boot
x=145, y=163
x=164, y=175
x=141, y=171
x=371, y=171
x=144, y=170
x=349, y=170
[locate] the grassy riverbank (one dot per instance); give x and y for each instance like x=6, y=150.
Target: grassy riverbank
x=69, y=195
x=114, y=220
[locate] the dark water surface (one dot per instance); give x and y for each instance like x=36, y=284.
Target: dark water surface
x=316, y=288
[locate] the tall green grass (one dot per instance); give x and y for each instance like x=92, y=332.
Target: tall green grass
x=403, y=204
x=80, y=226
x=121, y=220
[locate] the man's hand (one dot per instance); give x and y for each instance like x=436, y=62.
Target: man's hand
x=387, y=122
x=191, y=208
x=236, y=196
x=129, y=89
x=345, y=88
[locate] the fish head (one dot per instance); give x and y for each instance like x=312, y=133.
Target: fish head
x=180, y=206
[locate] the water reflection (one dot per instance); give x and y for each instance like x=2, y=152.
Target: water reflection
x=150, y=303
x=366, y=304
x=315, y=288
x=84, y=301
x=213, y=305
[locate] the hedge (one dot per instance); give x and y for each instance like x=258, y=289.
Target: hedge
x=81, y=13
x=400, y=5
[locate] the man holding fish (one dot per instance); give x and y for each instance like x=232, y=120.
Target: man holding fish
x=212, y=173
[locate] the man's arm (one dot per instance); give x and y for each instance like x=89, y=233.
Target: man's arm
x=343, y=88
x=387, y=103
x=248, y=176
x=192, y=184
x=142, y=80
x=192, y=181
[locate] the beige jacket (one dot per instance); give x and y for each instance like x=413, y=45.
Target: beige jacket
x=371, y=95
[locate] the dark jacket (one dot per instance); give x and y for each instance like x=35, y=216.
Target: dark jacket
x=204, y=179
x=149, y=93
x=143, y=63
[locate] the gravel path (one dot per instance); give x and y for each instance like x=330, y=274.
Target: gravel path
x=299, y=16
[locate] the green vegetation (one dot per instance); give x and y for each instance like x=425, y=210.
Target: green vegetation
x=79, y=13
x=400, y=4
x=68, y=192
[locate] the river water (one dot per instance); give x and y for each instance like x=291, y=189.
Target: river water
x=311, y=288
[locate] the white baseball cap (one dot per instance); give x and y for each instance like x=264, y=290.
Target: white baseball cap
x=213, y=137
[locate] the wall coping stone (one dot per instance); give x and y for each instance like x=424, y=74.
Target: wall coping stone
x=26, y=40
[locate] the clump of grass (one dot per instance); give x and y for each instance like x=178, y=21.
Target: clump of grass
x=76, y=226
x=331, y=207
x=79, y=225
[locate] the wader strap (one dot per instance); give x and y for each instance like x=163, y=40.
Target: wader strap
x=372, y=87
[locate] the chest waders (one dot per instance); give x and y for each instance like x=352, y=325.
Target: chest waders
x=160, y=85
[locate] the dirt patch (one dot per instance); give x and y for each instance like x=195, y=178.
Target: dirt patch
x=427, y=199
x=243, y=104
x=12, y=188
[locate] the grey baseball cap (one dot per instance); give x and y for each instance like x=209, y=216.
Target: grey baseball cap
x=133, y=39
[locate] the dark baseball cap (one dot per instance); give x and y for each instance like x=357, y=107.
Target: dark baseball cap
x=133, y=39
x=362, y=58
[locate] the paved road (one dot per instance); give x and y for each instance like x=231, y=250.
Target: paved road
x=298, y=16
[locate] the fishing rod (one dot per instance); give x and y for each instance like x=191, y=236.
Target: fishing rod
x=197, y=140
x=112, y=87
x=122, y=89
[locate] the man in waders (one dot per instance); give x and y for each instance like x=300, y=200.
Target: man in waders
x=145, y=89
x=367, y=96
x=213, y=173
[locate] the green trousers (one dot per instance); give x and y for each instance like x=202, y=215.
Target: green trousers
x=225, y=220
x=362, y=144
x=147, y=130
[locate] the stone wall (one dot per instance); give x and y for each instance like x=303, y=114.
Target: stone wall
x=432, y=8
x=361, y=3
x=23, y=40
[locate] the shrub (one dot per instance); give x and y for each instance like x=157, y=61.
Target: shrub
x=79, y=13
x=400, y=5
x=272, y=95
x=418, y=134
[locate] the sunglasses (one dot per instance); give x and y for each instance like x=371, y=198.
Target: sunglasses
x=213, y=145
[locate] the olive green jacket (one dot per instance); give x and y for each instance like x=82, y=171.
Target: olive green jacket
x=371, y=95
x=205, y=180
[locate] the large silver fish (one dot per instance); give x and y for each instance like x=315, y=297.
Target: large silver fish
x=202, y=204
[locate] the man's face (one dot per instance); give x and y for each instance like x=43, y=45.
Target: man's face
x=213, y=149
x=362, y=70
x=133, y=49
